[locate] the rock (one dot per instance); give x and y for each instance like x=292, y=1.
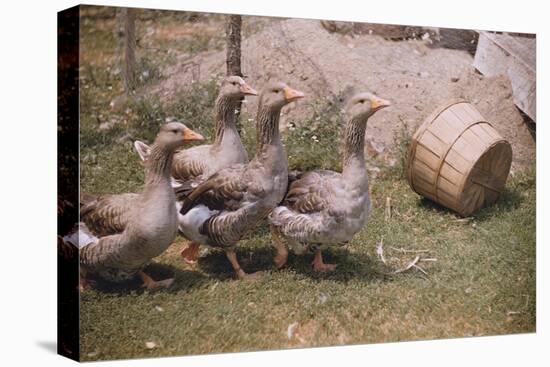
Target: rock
x=455, y=79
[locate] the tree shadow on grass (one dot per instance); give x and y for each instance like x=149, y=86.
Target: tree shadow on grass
x=351, y=266
x=183, y=280
x=508, y=200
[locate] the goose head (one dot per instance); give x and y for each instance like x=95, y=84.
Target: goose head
x=277, y=94
x=364, y=105
x=234, y=87
x=174, y=135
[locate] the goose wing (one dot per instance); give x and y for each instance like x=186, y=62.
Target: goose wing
x=311, y=192
x=190, y=164
x=224, y=190
x=109, y=214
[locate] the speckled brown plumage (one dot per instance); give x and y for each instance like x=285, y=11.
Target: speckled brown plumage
x=108, y=214
x=192, y=166
x=325, y=207
x=231, y=202
x=136, y=227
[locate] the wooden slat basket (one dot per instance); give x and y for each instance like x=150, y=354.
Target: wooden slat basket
x=457, y=159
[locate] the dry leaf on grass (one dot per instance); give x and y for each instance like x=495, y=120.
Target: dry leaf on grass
x=290, y=330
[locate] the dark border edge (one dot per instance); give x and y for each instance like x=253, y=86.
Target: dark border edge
x=68, y=48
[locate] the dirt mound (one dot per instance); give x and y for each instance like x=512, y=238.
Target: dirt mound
x=415, y=77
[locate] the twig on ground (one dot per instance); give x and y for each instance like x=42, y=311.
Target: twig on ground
x=464, y=220
x=428, y=259
x=407, y=251
x=387, y=215
x=380, y=250
x=410, y=265
x=419, y=268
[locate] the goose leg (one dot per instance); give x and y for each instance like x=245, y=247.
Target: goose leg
x=149, y=283
x=319, y=265
x=282, y=252
x=240, y=273
x=190, y=253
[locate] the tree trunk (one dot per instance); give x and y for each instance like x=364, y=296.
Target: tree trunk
x=233, y=39
x=127, y=34
x=233, y=57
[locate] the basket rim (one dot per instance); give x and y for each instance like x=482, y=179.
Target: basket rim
x=467, y=174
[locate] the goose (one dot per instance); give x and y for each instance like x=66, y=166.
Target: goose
x=324, y=207
x=192, y=166
x=229, y=204
x=119, y=234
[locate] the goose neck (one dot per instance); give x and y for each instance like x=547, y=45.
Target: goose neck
x=267, y=130
x=354, y=149
x=225, y=117
x=159, y=165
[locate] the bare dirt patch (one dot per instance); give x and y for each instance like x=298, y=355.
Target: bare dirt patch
x=415, y=77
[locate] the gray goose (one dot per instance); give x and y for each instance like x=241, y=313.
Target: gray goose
x=194, y=165
x=325, y=207
x=221, y=210
x=120, y=234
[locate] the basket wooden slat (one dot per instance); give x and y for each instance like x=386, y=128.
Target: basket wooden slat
x=458, y=159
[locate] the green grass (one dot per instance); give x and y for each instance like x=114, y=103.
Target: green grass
x=483, y=282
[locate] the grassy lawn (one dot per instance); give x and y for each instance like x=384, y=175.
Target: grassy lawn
x=483, y=283
x=481, y=280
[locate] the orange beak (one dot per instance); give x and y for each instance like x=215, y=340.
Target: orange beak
x=292, y=94
x=190, y=135
x=248, y=90
x=379, y=103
